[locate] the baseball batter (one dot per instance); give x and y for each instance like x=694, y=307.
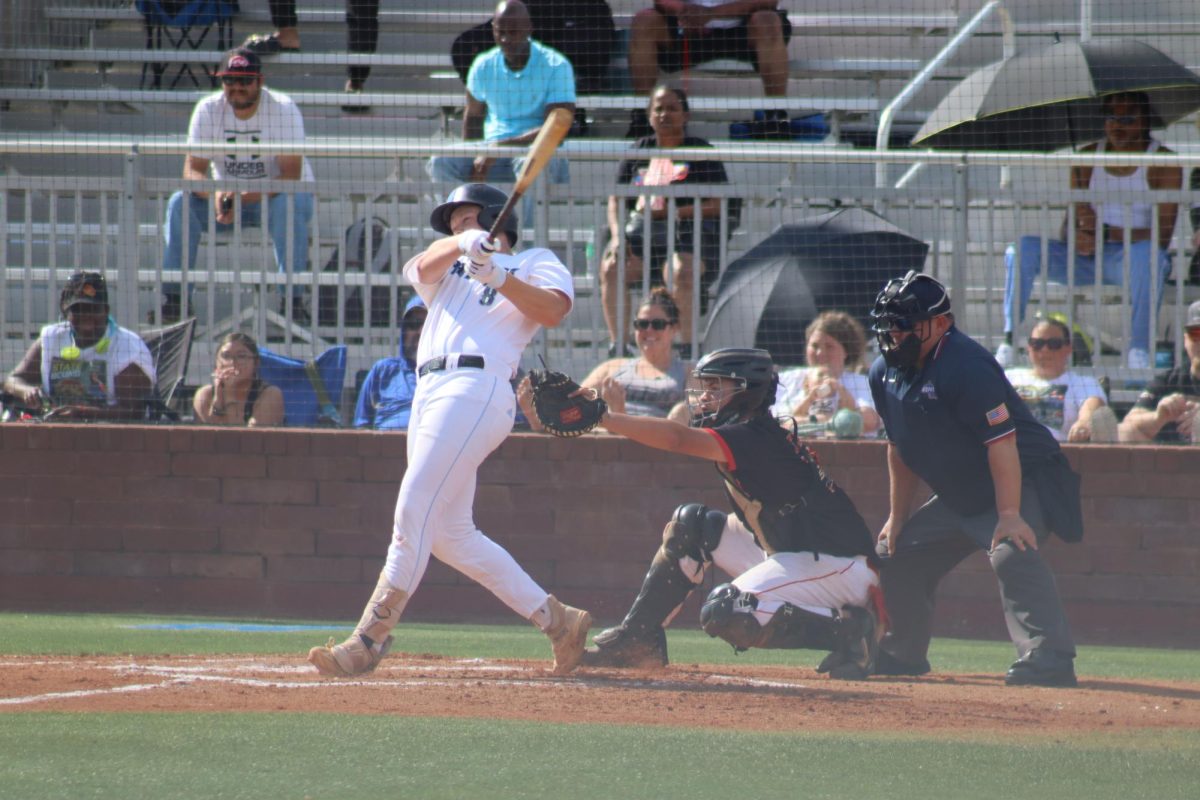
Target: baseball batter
x=802, y=555
x=484, y=307
x=1000, y=483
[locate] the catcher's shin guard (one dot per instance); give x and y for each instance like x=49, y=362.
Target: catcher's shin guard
x=371, y=640
x=858, y=635
x=568, y=634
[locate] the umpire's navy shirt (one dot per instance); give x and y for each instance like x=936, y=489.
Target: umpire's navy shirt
x=943, y=416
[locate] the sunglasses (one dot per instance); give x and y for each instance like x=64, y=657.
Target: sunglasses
x=1193, y=333
x=237, y=80
x=1122, y=119
x=1057, y=343
x=647, y=324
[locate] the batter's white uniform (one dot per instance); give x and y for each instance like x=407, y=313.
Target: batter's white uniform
x=459, y=416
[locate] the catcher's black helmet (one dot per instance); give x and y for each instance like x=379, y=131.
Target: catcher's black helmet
x=489, y=199
x=752, y=369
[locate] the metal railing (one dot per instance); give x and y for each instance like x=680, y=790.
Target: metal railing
x=51, y=225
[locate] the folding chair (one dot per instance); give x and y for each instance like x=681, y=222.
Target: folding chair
x=180, y=24
x=312, y=390
x=171, y=348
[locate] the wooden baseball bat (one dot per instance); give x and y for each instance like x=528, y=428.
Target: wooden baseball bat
x=553, y=131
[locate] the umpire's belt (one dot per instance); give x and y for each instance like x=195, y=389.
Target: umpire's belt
x=452, y=361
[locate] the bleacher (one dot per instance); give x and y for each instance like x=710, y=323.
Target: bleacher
x=71, y=72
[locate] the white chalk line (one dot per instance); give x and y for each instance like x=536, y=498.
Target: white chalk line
x=184, y=675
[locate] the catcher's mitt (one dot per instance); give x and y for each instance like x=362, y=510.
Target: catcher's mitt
x=559, y=412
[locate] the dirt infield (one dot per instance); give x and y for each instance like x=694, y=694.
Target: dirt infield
x=776, y=699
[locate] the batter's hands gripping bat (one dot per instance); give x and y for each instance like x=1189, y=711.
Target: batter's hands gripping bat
x=553, y=131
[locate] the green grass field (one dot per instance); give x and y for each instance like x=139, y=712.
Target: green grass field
x=298, y=755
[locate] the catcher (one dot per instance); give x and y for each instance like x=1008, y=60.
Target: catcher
x=804, y=558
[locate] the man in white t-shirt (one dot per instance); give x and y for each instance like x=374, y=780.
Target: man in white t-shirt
x=244, y=111
x=1071, y=406
x=485, y=304
x=86, y=367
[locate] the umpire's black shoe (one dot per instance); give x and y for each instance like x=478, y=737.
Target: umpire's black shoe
x=619, y=647
x=888, y=664
x=1042, y=668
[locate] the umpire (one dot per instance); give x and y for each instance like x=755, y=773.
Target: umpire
x=999, y=479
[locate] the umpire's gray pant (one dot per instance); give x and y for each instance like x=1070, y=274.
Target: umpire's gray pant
x=934, y=540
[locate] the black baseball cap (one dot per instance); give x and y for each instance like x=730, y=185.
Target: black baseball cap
x=1193, y=316
x=84, y=288
x=240, y=61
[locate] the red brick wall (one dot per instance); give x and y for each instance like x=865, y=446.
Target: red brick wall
x=296, y=524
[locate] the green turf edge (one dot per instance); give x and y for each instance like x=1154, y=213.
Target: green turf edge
x=114, y=634
x=55, y=755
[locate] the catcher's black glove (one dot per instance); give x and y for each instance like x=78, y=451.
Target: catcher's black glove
x=559, y=412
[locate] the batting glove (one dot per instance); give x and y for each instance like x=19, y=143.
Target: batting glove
x=476, y=246
x=488, y=274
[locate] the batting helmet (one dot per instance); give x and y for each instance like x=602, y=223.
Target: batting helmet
x=489, y=199
x=753, y=371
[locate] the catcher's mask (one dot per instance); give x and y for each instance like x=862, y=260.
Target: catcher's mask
x=490, y=201
x=899, y=307
x=736, y=384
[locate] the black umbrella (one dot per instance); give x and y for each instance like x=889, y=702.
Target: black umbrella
x=1052, y=97
x=837, y=261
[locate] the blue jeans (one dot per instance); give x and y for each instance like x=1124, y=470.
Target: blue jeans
x=457, y=169
x=198, y=210
x=1113, y=269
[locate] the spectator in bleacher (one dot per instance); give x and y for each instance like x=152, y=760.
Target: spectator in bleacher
x=362, y=36
x=582, y=30
x=510, y=90
x=675, y=35
x=835, y=343
x=385, y=401
x=237, y=395
x=1073, y=407
x=668, y=110
x=1166, y=411
x=244, y=111
x=653, y=384
x=1128, y=119
x=86, y=367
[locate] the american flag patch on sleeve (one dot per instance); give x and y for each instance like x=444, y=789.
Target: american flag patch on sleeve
x=997, y=415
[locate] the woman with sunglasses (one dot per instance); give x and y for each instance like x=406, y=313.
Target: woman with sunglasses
x=1072, y=406
x=237, y=395
x=655, y=382
x=834, y=347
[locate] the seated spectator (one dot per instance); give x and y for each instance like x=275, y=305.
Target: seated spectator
x=669, y=117
x=245, y=111
x=237, y=395
x=678, y=34
x=88, y=367
x=653, y=384
x=1128, y=120
x=498, y=114
x=582, y=30
x=385, y=401
x=1166, y=411
x=1073, y=407
x=834, y=346
x=362, y=35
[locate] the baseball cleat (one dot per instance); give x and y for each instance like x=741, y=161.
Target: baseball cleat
x=568, y=634
x=858, y=646
x=1041, y=668
x=617, y=647
x=351, y=657
x=888, y=664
